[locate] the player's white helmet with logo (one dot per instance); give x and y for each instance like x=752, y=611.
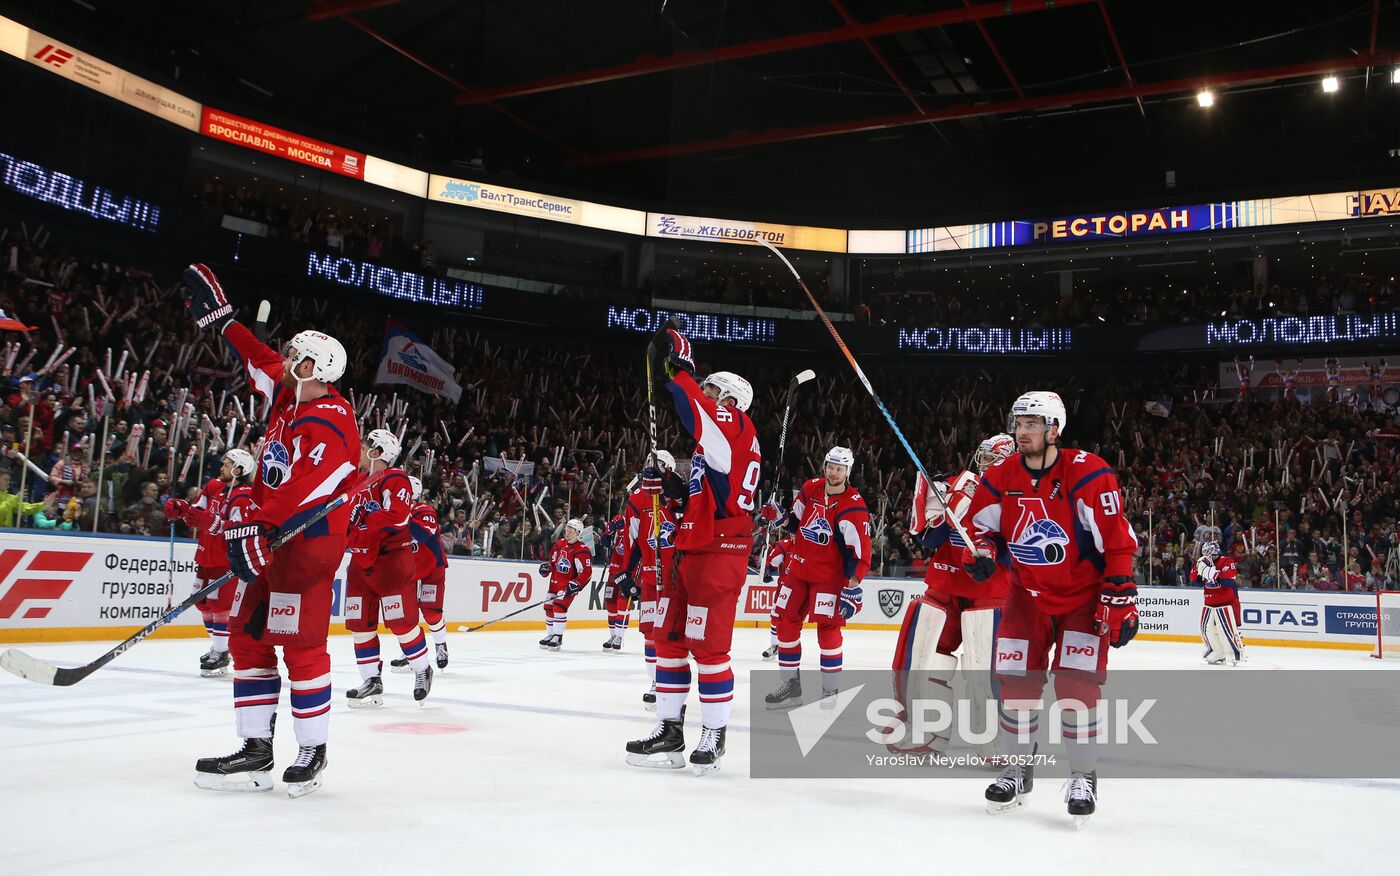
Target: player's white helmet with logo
x=322, y=349
x=841, y=456
x=417, y=485
x=386, y=443
x=240, y=462
x=993, y=450
x=665, y=460
x=730, y=384
x=1046, y=405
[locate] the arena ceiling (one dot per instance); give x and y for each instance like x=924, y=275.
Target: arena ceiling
x=882, y=113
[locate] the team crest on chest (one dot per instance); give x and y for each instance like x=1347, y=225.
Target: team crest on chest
x=1037, y=540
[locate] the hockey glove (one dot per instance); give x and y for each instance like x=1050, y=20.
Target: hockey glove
x=673, y=488
x=545, y=569
x=1117, y=616
x=767, y=576
x=176, y=509
x=651, y=481
x=851, y=598
x=679, y=357
x=627, y=586
x=980, y=560
x=205, y=298
x=249, y=551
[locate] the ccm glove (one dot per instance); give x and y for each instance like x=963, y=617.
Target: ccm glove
x=545, y=569
x=249, y=551
x=980, y=560
x=176, y=509
x=205, y=299
x=679, y=356
x=1117, y=616
x=851, y=599
x=651, y=481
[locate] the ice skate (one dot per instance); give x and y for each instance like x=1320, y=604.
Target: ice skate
x=649, y=699
x=788, y=696
x=367, y=695
x=304, y=775
x=1081, y=796
x=213, y=664
x=441, y=655
x=248, y=769
x=663, y=748
x=771, y=652
x=614, y=643
x=828, y=700
x=707, y=754
x=1008, y=792
x=422, y=683
x=400, y=666
x=553, y=643
x=544, y=643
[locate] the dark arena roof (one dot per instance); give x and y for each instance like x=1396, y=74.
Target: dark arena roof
x=873, y=113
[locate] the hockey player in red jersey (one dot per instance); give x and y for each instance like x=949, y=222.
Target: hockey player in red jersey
x=567, y=569
x=306, y=458
x=1058, y=514
x=1220, y=617
x=821, y=583
x=207, y=517
x=381, y=581
x=955, y=611
x=430, y=571
x=634, y=564
x=773, y=565
x=696, y=608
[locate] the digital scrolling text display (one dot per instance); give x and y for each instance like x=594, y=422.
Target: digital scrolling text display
x=76, y=195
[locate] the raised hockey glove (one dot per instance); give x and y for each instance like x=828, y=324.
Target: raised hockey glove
x=545, y=569
x=249, y=551
x=980, y=560
x=851, y=598
x=673, y=488
x=176, y=509
x=1117, y=616
x=205, y=299
x=651, y=481
x=678, y=357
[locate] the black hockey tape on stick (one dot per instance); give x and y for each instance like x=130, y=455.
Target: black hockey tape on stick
x=865, y=381
x=673, y=323
x=40, y=672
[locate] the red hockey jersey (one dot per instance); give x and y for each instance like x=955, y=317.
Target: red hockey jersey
x=1218, y=579
x=634, y=548
x=724, y=471
x=217, y=504
x=569, y=564
x=1063, y=528
x=779, y=553
x=945, y=573
x=308, y=454
x=428, y=555
x=380, y=509
x=833, y=534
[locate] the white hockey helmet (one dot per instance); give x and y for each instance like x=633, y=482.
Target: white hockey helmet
x=575, y=524
x=322, y=349
x=730, y=384
x=240, y=462
x=386, y=443
x=417, y=485
x=993, y=450
x=841, y=456
x=665, y=460
x=1046, y=405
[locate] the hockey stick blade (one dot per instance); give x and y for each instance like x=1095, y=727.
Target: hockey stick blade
x=804, y=376
x=36, y=670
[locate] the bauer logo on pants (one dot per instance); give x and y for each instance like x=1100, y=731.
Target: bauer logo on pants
x=284, y=613
x=696, y=618
x=891, y=601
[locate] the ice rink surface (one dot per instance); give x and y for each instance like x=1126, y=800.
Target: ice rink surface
x=515, y=765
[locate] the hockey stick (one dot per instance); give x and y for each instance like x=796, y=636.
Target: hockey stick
x=552, y=597
x=673, y=322
x=798, y=379
x=865, y=381
x=40, y=672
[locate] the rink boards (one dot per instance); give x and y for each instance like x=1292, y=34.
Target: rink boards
x=58, y=587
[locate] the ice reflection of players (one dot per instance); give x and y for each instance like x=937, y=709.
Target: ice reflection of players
x=1333, y=366
x=1244, y=372
x=1289, y=378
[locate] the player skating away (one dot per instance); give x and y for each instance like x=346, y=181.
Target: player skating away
x=955, y=611
x=1220, y=616
x=430, y=571
x=381, y=582
x=695, y=611
x=219, y=503
x=307, y=457
x=1059, y=515
x=772, y=569
x=567, y=569
x=821, y=583
x=633, y=565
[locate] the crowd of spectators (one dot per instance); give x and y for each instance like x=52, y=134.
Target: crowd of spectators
x=543, y=435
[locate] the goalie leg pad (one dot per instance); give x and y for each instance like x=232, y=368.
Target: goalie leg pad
x=923, y=667
x=979, y=631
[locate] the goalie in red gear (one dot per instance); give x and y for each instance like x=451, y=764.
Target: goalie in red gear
x=217, y=505
x=1220, y=616
x=1058, y=515
x=306, y=458
x=381, y=583
x=821, y=582
x=696, y=608
x=955, y=611
x=567, y=569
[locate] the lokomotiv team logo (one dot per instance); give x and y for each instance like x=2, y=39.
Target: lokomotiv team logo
x=817, y=529
x=1037, y=540
x=276, y=464
x=668, y=536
